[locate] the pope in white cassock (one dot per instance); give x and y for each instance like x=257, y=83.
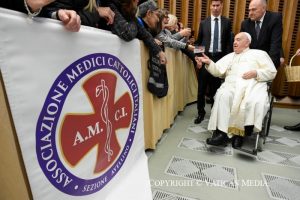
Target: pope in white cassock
x=242, y=100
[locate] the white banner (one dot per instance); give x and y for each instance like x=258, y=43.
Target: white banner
x=76, y=102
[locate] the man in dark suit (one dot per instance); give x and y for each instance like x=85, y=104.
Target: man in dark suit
x=265, y=28
x=214, y=34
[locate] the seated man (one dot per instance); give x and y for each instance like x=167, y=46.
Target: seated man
x=242, y=100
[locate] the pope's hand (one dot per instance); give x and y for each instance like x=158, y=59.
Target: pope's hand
x=250, y=74
x=200, y=60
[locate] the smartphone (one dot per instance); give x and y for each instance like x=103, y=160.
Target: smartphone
x=199, y=50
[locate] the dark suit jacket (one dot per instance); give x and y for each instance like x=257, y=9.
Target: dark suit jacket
x=270, y=36
x=204, y=36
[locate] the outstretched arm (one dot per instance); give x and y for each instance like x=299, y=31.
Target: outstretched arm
x=217, y=69
x=107, y=14
x=298, y=52
x=201, y=60
x=36, y=5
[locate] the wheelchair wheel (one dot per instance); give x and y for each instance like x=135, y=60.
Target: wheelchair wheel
x=260, y=144
x=269, y=117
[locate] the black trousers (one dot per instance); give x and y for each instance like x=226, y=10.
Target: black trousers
x=207, y=82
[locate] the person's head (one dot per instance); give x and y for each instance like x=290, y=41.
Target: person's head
x=241, y=42
x=149, y=12
x=216, y=7
x=145, y=7
x=172, y=24
x=164, y=16
x=180, y=26
x=257, y=9
x=129, y=8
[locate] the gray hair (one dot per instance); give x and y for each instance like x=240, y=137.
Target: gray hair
x=248, y=36
x=263, y=2
x=144, y=7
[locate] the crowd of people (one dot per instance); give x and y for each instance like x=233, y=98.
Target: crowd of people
x=232, y=71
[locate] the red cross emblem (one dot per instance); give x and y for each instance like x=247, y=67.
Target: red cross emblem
x=82, y=132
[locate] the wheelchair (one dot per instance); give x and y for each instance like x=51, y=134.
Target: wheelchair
x=260, y=137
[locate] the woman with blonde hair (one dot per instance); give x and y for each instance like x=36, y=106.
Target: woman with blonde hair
x=172, y=26
x=173, y=40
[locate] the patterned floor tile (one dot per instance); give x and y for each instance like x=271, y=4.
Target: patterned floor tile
x=162, y=195
x=211, y=174
x=282, y=188
x=200, y=145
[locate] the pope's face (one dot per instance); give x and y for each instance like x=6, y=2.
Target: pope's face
x=241, y=42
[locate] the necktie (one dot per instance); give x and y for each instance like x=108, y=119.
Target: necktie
x=257, y=28
x=216, y=36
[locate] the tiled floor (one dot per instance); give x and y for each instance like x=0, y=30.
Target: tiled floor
x=183, y=167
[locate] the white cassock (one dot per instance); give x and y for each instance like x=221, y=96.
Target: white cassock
x=240, y=102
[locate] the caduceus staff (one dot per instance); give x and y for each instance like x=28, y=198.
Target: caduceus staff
x=103, y=89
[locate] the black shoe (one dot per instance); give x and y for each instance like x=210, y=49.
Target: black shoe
x=293, y=128
x=218, y=138
x=249, y=130
x=210, y=100
x=199, y=119
x=237, y=142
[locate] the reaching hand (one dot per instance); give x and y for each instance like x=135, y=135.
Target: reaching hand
x=158, y=42
x=192, y=40
x=191, y=47
x=198, y=61
x=186, y=32
x=250, y=74
x=282, y=60
x=162, y=57
x=201, y=60
x=106, y=13
x=298, y=52
x=70, y=19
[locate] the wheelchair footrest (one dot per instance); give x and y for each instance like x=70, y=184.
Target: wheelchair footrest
x=253, y=152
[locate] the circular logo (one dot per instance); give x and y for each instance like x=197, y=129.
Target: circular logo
x=81, y=150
